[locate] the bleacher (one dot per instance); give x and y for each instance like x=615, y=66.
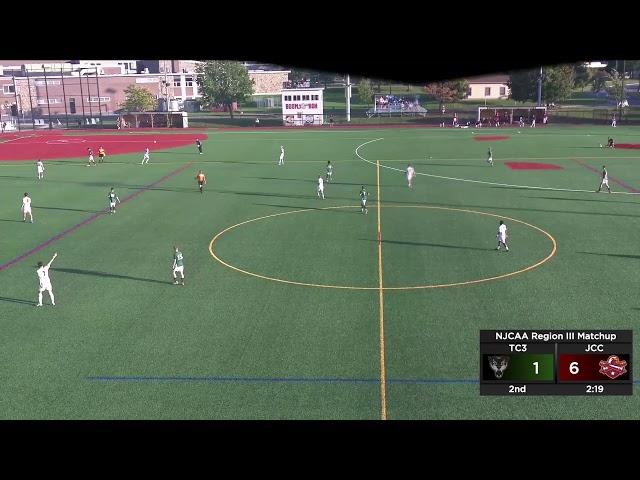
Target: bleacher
x=393, y=105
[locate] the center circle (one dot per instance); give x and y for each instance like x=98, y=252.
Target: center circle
x=536, y=264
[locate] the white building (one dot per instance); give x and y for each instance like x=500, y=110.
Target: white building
x=490, y=87
x=302, y=106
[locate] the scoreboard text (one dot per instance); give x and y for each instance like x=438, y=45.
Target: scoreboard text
x=557, y=362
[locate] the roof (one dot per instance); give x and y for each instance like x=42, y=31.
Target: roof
x=496, y=78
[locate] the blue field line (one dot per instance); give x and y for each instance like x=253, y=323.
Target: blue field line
x=214, y=379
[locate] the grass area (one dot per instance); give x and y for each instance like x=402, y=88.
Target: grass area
x=124, y=342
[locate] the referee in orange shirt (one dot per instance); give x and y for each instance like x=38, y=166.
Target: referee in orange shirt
x=201, y=179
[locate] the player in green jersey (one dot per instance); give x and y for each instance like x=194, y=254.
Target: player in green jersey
x=363, y=200
x=178, y=265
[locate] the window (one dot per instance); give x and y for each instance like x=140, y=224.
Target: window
x=40, y=83
x=296, y=97
x=72, y=105
x=287, y=98
x=188, y=81
x=305, y=97
x=96, y=100
x=7, y=89
x=487, y=91
x=315, y=97
x=176, y=82
x=43, y=101
x=503, y=90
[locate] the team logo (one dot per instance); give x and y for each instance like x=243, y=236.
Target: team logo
x=613, y=367
x=498, y=364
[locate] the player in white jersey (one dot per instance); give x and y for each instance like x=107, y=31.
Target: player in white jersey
x=490, y=157
x=113, y=198
x=40, y=169
x=281, y=161
x=45, y=281
x=329, y=171
x=92, y=161
x=605, y=180
x=410, y=174
x=145, y=158
x=502, y=236
x=26, y=208
x=321, y=187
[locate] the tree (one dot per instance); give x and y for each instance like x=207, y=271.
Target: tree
x=523, y=85
x=599, y=80
x=365, y=91
x=614, y=87
x=557, y=84
x=138, y=99
x=447, y=91
x=582, y=75
x=223, y=82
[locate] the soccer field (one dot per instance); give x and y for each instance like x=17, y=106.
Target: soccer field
x=293, y=308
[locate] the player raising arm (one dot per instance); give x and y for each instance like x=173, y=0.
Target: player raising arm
x=178, y=265
x=45, y=281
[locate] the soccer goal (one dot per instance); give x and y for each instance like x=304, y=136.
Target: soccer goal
x=153, y=120
x=495, y=116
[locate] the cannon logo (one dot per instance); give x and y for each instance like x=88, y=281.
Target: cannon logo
x=613, y=367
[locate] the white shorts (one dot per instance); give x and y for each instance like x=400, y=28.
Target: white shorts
x=146, y=157
x=409, y=177
x=91, y=158
x=40, y=170
x=26, y=210
x=502, y=238
x=179, y=269
x=320, y=189
x=45, y=286
x=490, y=159
x=363, y=203
x=605, y=182
x=112, y=204
x=281, y=157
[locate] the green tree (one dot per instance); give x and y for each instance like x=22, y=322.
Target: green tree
x=223, y=82
x=365, y=91
x=138, y=99
x=614, y=86
x=599, y=80
x=558, y=82
x=582, y=75
x=447, y=91
x=523, y=85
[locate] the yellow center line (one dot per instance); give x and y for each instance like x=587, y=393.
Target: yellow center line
x=383, y=374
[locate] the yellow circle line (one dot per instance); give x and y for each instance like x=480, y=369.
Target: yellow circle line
x=416, y=287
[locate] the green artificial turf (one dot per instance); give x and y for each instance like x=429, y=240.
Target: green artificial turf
x=124, y=343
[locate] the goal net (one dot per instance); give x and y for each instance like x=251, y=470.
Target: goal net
x=495, y=116
x=152, y=120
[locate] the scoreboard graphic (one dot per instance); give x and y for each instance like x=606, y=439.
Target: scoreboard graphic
x=556, y=362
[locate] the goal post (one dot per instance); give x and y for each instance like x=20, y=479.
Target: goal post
x=152, y=120
x=510, y=115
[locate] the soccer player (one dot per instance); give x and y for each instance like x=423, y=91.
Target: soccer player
x=45, y=281
x=533, y=122
x=611, y=143
x=91, y=159
x=178, y=265
x=101, y=154
x=605, y=180
x=201, y=179
x=199, y=145
x=145, y=158
x=113, y=198
x=321, y=187
x=613, y=120
x=26, y=208
x=490, y=157
x=410, y=174
x=40, y=169
x=281, y=161
x=363, y=200
x=329, y=171
x=521, y=122
x=502, y=236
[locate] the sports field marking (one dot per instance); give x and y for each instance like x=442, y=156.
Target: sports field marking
x=614, y=180
x=19, y=138
x=88, y=220
x=527, y=187
x=413, y=287
x=383, y=381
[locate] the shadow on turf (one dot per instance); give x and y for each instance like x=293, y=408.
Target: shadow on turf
x=108, y=275
x=300, y=207
x=421, y=244
x=68, y=209
x=585, y=200
x=16, y=300
x=618, y=255
x=7, y=220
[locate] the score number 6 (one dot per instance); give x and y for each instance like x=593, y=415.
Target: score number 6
x=573, y=368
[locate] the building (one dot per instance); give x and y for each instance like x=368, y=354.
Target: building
x=488, y=87
x=302, y=106
x=267, y=86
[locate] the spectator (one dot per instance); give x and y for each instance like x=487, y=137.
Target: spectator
x=257, y=122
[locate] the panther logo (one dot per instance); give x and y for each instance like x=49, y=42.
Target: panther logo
x=498, y=364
